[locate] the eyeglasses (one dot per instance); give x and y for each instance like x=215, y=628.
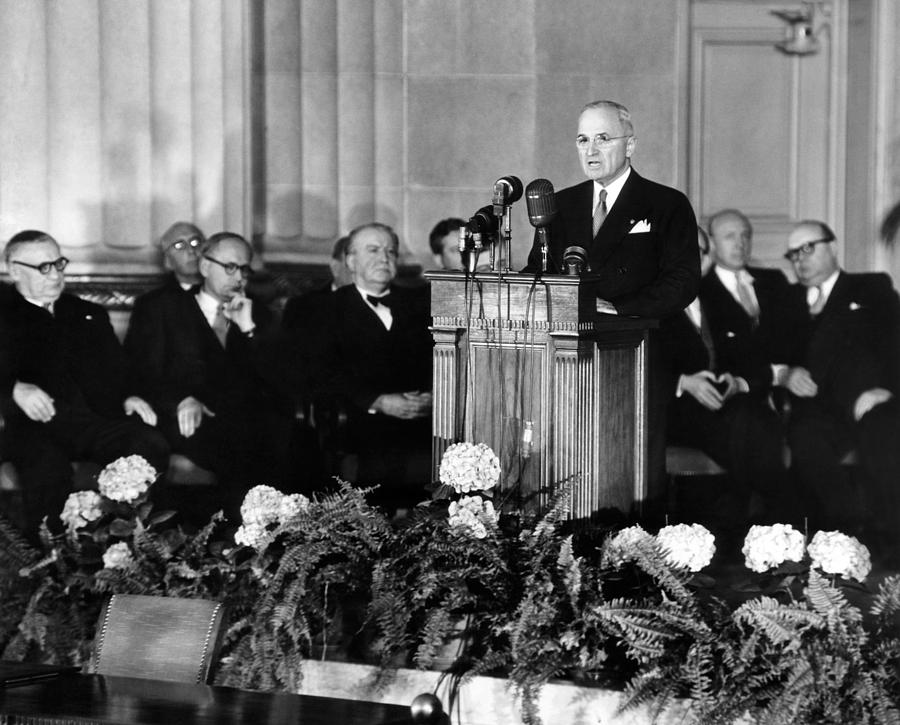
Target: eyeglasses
x=601, y=139
x=231, y=268
x=804, y=250
x=179, y=245
x=44, y=267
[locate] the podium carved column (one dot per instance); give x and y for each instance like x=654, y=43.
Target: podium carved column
x=559, y=392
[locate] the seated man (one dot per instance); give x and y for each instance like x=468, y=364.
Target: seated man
x=372, y=354
x=180, y=245
x=720, y=382
x=66, y=388
x=740, y=298
x=444, y=243
x=841, y=355
x=203, y=362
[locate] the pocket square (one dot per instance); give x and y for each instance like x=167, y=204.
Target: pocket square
x=855, y=306
x=642, y=226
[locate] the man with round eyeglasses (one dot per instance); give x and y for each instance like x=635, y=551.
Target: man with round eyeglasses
x=840, y=364
x=640, y=236
x=205, y=362
x=180, y=245
x=67, y=394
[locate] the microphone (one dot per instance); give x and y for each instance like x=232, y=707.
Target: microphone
x=541, y=203
x=575, y=260
x=481, y=231
x=507, y=191
x=482, y=227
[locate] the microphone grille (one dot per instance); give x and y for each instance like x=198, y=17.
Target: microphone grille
x=541, y=202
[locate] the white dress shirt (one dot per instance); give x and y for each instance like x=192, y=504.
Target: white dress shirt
x=383, y=311
x=613, y=189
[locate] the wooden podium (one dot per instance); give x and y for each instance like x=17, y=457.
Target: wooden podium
x=558, y=391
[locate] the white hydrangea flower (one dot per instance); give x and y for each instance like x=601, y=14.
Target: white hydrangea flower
x=261, y=505
x=621, y=548
x=292, y=505
x=837, y=553
x=686, y=546
x=118, y=556
x=467, y=467
x=766, y=547
x=255, y=536
x=81, y=508
x=126, y=479
x=472, y=516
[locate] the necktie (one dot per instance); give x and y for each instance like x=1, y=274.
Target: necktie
x=746, y=297
x=383, y=300
x=220, y=325
x=817, y=300
x=600, y=212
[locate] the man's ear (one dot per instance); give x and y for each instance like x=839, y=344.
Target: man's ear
x=204, y=267
x=629, y=146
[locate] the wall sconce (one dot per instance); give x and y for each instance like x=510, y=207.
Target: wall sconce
x=801, y=33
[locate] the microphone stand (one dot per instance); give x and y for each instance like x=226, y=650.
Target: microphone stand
x=504, y=239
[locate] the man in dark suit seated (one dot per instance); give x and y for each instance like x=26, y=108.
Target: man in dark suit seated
x=640, y=236
x=742, y=300
x=67, y=394
x=720, y=380
x=841, y=349
x=372, y=355
x=204, y=362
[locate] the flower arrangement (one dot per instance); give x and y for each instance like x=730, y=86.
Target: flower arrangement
x=538, y=598
x=837, y=553
x=263, y=510
x=767, y=547
x=126, y=479
x=113, y=542
x=467, y=467
x=687, y=546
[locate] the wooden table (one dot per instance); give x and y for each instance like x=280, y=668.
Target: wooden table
x=76, y=699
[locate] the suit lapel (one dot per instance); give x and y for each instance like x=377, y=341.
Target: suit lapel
x=625, y=213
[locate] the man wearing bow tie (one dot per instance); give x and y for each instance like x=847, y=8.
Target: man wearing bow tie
x=373, y=356
x=841, y=361
x=67, y=391
x=640, y=236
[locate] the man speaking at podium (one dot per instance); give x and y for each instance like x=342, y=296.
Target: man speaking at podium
x=640, y=236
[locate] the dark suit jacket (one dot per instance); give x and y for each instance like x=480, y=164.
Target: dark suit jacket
x=73, y=355
x=299, y=311
x=648, y=274
x=851, y=346
x=358, y=359
x=743, y=348
x=682, y=349
x=176, y=354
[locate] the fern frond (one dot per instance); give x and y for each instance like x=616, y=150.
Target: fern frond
x=782, y=624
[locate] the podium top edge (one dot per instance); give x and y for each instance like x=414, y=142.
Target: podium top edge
x=517, y=277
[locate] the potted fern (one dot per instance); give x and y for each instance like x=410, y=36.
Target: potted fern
x=313, y=562
x=444, y=583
